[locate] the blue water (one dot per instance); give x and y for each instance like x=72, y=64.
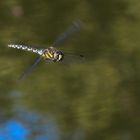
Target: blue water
x=17, y=129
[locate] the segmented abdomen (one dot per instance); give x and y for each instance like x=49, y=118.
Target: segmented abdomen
x=27, y=48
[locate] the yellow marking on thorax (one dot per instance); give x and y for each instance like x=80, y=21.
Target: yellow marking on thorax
x=50, y=55
x=47, y=55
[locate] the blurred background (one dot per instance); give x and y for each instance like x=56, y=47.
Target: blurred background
x=98, y=99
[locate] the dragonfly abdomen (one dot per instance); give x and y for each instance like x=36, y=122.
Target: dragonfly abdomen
x=26, y=48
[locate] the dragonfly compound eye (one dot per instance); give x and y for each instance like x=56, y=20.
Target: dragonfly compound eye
x=60, y=56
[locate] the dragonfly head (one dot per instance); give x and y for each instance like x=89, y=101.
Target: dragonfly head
x=58, y=56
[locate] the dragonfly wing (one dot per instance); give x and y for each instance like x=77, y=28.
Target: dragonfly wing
x=30, y=68
x=69, y=31
x=73, y=58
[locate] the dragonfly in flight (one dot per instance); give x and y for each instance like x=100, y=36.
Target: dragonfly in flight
x=51, y=53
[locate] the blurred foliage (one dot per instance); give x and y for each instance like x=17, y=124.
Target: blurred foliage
x=98, y=99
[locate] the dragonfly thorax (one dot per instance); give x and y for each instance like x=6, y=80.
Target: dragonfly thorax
x=53, y=54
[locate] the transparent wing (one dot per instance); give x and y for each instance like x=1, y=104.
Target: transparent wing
x=73, y=58
x=30, y=68
x=73, y=28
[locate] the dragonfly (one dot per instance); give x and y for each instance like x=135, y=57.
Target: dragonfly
x=52, y=53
